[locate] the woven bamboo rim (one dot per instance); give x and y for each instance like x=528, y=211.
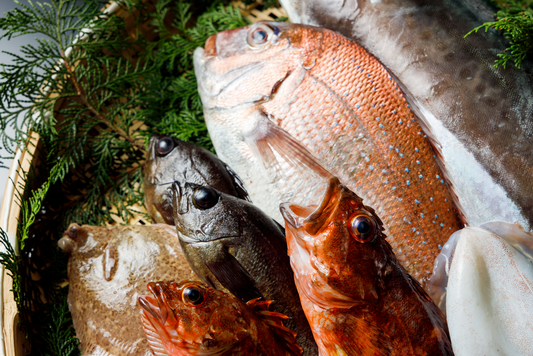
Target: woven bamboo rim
x=12, y=340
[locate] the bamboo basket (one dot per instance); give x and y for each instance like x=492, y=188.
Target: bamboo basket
x=12, y=340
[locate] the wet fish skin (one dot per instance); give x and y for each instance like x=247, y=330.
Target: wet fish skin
x=307, y=86
x=233, y=246
x=177, y=160
x=482, y=116
x=357, y=297
x=213, y=322
x=108, y=268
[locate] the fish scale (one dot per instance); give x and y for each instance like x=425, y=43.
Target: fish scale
x=354, y=101
x=351, y=115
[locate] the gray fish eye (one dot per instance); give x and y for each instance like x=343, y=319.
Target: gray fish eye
x=193, y=295
x=164, y=146
x=205, y=198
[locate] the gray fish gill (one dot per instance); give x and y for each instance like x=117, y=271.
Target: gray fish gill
x=233, y=246
x=480, y=115
x=169, y=160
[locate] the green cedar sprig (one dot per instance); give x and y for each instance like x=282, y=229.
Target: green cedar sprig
x=12, y=263
x=515, y=19
x=30, y=207
x=59, y=335
x=176, y=83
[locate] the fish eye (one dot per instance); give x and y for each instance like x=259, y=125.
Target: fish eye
x=259, y=35
x=164, y=146
x=362, y=227
x=193, y=296
x=205, y=197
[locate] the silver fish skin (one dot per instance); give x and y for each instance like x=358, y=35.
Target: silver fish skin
x=480, y=115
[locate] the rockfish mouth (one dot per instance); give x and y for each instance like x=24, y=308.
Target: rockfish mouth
x=304, y=226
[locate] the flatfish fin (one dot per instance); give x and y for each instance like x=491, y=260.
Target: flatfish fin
x=270, y=142
x=233, y=276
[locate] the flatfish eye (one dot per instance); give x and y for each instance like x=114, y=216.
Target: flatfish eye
x=362, y=227
x=259, y=35
x=193, y=296
x=164, y=146
x=205, y=197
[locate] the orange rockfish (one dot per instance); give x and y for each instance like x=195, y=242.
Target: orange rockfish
x=357, y=297
x=271, y=89
x=190, y=318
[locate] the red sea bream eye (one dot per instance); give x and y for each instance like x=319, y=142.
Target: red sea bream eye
x=259, y=35
x=362, y=227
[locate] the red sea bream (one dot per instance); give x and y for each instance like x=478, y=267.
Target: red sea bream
x=271, y=89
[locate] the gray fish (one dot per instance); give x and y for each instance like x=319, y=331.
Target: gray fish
x=480, y=115
x=234, y=246
x=170, y=160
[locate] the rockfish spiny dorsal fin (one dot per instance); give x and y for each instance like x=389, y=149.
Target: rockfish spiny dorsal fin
x=275, y=322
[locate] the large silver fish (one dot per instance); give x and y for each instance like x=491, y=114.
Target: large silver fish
x=480, y=115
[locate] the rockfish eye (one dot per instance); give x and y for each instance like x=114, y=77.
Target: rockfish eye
x=362, y=227
x=259, y=35
x=193, y=296
x=164, y=146
x=205, y=197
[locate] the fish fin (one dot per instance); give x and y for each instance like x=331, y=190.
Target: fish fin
x=368, y=339
x=274, y=321
x=239, y=186
x=267, y=140
x=282, y=228
x=233, y=276
x=152, y=336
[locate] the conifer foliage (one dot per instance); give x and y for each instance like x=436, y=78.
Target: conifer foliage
x=515, y=19
x=93, y=89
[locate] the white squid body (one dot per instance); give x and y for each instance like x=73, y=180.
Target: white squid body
x=489, y=298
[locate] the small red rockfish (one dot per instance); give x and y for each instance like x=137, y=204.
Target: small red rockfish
x=358, y=298
x=190, y=318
